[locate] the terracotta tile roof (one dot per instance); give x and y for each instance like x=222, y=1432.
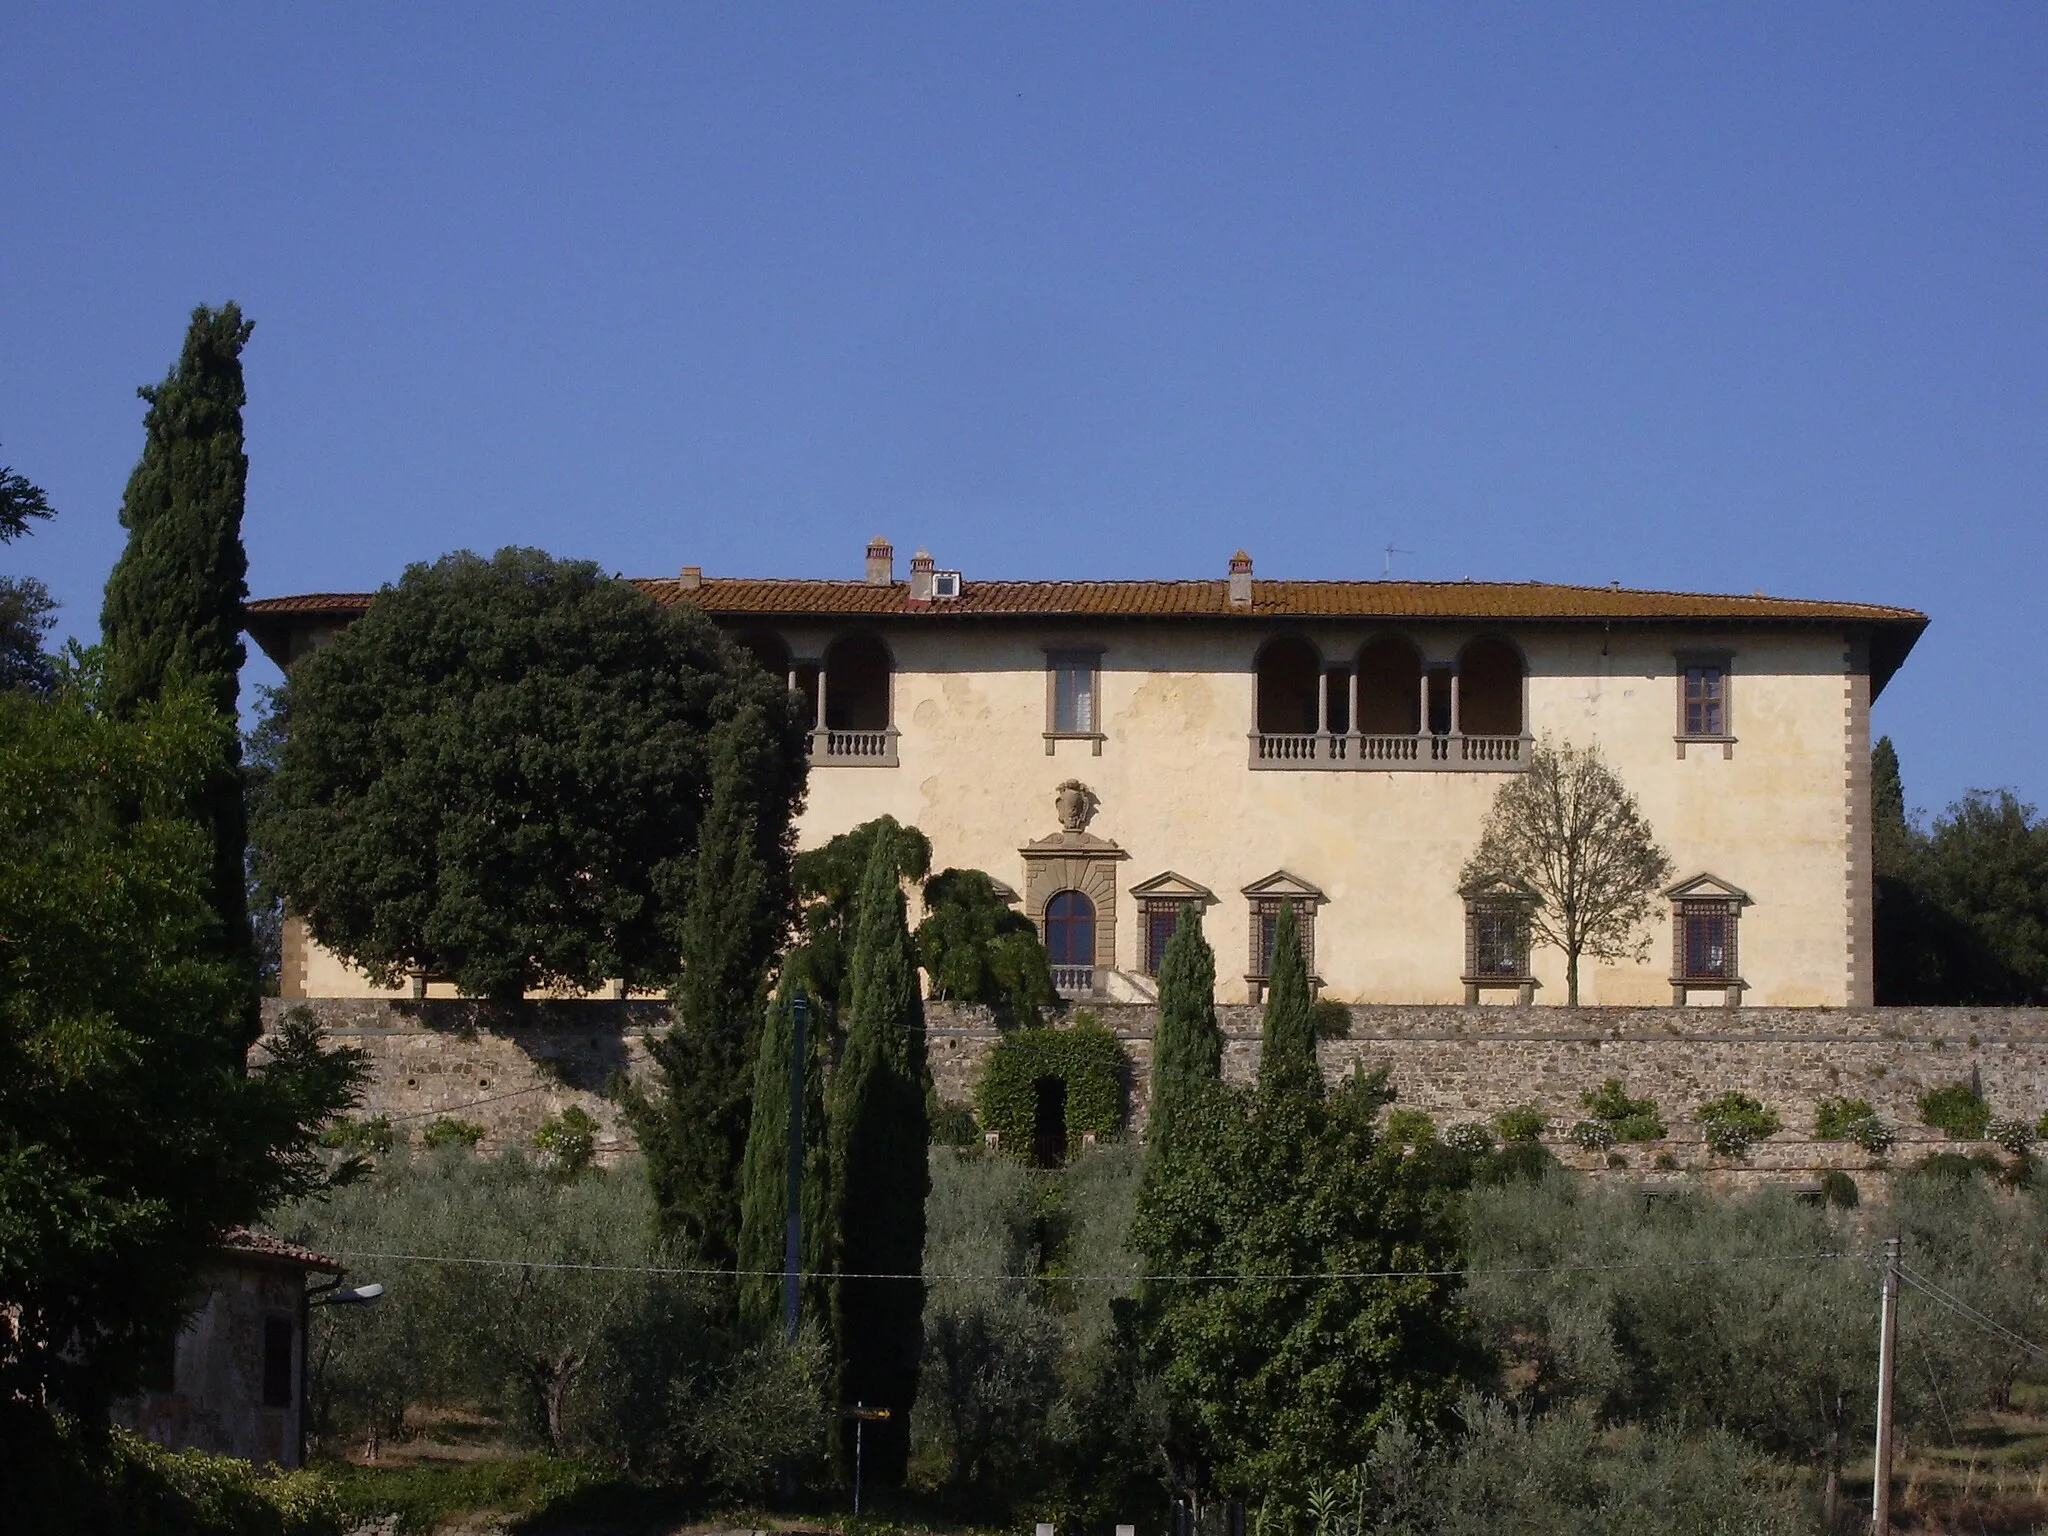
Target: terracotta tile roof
x=744, y=597
x=1892, y=631
x=262, y=1245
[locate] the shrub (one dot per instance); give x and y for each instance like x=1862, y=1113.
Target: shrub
x=1734, y=1122
x=568, y=1140
x=1839, y=1190
x=345, y=1134
x=1626, y=1119
x=448, y=1131
x=2013, y=1135
x=953, y=1125
x=1957, y=1110
x=1854, y=1120
x=1522, y=1122
x=1592, y=1135
x=1330, y=1019
x=1410, y=1128
x=1473, y=1139
x=1086, y=1057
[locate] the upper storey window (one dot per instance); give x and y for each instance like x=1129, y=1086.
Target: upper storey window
x=1073, y=692
x=1703, y=714
x=853, y=691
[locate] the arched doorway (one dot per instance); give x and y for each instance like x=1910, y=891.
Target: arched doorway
x=1389, y=688
x=1490, y=688
x=1070, y=942
x=857, y=676
x=1290, y=680
x=768, y=651
x=1049, y=1123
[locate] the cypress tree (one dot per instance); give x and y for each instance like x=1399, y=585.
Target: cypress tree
x=880, y=1136
x=764, y=1175
x=694, y=1129
x=1187, y=1049
x=173, y=606
x=1287, y=1036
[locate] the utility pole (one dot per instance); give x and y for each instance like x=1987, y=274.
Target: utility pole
x=1887, y=1362
x=792, y=1231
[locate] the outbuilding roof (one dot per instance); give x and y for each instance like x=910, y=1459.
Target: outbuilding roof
x=261, y=1245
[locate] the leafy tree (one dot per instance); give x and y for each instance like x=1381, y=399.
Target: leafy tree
x=764, y=1175
x=498, y=773
x=1287, y=1033
x=20, y=500
x=879, y=1135
x=976, y=949
x=1986, y=866
x=1187, y=1047
x=828, y=882
x=1569, y=831
x=27, y=613
x=693, y=1125
x=173, y=607
x=1272, y=1382
x=130, y=1135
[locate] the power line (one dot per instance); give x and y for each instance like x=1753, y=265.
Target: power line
x=1970, y=1314
x=1315, y=1276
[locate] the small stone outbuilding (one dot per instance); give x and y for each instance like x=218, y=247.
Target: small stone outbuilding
x=235, y=1384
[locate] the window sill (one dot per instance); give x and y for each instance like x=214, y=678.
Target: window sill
x=1053, y=738
x=1731, y=990
x=1725, y=743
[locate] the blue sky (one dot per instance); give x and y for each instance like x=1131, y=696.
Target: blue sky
x=1713, y=297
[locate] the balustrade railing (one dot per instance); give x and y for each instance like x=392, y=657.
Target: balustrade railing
x=871, y=749
x=1424, y=751
x=1074, y=980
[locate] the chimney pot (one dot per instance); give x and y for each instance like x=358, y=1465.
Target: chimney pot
x=1240, y=580
x=881, y=562
x=693, y=578
x=921, y=576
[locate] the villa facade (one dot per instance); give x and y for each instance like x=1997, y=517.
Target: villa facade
x=1113, y=750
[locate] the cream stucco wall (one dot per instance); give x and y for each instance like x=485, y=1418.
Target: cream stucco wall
x=1773, y=817
x=1177, y=793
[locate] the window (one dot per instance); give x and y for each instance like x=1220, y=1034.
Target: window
x=1162, y=917
x=1266, y=919
x=1705, y=913
x=1706, y=941
x=1496, y=940
x=1070, y=929
x=1073, y=708
x=1703, y=701
x=1704, y=697
x=278, y=1338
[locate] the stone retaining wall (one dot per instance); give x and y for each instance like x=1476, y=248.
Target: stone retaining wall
x=509, y=1066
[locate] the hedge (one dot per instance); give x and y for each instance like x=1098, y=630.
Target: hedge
x=1086, y=1057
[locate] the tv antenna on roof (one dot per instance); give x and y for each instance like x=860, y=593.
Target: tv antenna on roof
x=1387, y=562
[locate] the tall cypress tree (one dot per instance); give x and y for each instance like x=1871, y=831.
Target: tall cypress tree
x=880, y=1137
x=1187, y=1048
x=764, y=1174
x=1287, y=1036
x=173, y=606
x=693, y=1128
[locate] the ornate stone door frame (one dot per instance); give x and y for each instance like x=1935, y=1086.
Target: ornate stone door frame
x=1074, y=859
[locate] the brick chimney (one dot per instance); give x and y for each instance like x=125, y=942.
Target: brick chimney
x=1240, y=580
x=881, y=562
x=921, y=576
x=692, y=579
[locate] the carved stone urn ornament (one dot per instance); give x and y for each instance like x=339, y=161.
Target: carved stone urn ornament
x=1075, y=803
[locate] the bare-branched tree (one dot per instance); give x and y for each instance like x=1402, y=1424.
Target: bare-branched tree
x=1569, y=831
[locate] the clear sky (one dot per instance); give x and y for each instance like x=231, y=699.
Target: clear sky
x=1707, y=296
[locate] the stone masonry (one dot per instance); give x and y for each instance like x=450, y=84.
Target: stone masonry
x=507, y=1067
